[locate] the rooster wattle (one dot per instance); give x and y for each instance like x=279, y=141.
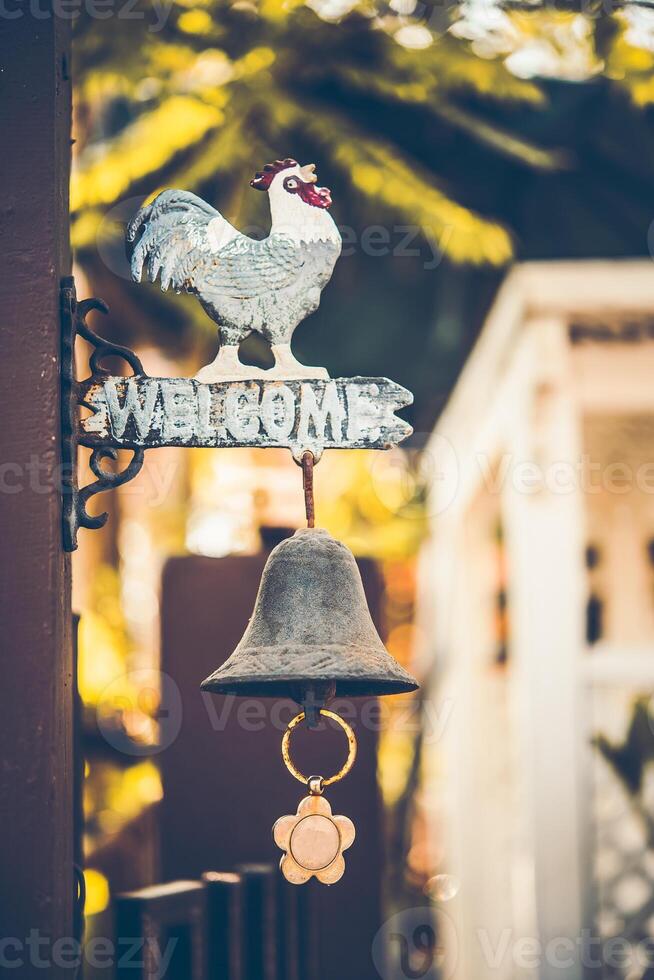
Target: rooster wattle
x=244, y=285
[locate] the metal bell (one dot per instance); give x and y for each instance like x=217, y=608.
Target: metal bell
x=311, y=631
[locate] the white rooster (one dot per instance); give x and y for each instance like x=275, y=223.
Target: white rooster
x=244, y=285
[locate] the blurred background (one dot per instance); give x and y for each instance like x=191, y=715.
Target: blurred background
x=490, y=165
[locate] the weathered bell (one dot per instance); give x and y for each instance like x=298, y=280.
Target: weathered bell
x=311, y=630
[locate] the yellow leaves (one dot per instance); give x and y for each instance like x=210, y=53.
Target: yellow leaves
x=101, y=656
x=371, y=520
x=367, y=177
x=459, y=68
x=642, y=91
x=195, y=4
x=209, y=73
x=141, y=785
x=85, y=228
x=293, y=52
x=224, y=151
x=115, y=796
x=195, y=22
x=97, y=892
x=379, y=171
x=256, y=60
x=102, y=642
x=100, y=85
x=632, y=67
x=142, y=148
x=394, y=759
x=458, y=232
x=451, y=64
x=166, y=58
x=492, y=135
x=413, y=93
x=535, y=23
x=502, y=141
x=416, y=92
x=277, y=10
x=634, y=59
x=554, y=44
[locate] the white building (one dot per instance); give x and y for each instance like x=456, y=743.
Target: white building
x=537, y=590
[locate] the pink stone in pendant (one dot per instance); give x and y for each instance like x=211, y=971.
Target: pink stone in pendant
x=315, y=842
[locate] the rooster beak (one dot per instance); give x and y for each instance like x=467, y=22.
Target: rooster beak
x=308, y=173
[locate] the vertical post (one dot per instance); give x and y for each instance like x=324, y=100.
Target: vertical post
x=36, y=778
x=161, y=931
x=546, y=553
x=260, y=917
x=225, y=940
x=298, y=933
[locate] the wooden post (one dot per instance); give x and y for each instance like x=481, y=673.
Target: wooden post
x=161, y=932
x=225, y=942
x=298, y=931
x=260, y=918
x=36, y=777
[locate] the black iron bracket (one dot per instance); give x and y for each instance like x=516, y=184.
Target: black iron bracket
x=75, y=499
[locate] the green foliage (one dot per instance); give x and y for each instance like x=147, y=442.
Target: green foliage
x=223, y=87
x=416, y=118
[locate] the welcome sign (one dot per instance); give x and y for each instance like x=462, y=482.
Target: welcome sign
x=301, y=415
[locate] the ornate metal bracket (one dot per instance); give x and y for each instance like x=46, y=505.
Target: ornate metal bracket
x=137, y=412
x=75, y=514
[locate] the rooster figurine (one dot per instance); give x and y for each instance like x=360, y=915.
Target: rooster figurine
x=243, y=284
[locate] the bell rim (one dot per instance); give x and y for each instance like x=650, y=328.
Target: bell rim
x=279, y=687
x=334, y=666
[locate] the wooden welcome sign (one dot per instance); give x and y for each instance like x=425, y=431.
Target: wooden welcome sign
x=312, y=415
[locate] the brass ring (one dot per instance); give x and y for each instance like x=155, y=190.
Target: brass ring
x=351, y=741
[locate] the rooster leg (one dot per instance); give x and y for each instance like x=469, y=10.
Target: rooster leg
x=227, y=367
x=287, y=366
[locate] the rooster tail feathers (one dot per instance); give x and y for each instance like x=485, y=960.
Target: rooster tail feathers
x=135, y=224
x=168, y=236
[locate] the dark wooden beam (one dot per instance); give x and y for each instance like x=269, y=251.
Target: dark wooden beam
x=225, y=926
x=36, y=775
x=160, y=931
x=260, y=920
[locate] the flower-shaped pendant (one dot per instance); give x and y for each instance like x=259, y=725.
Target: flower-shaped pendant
x=313, y=840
